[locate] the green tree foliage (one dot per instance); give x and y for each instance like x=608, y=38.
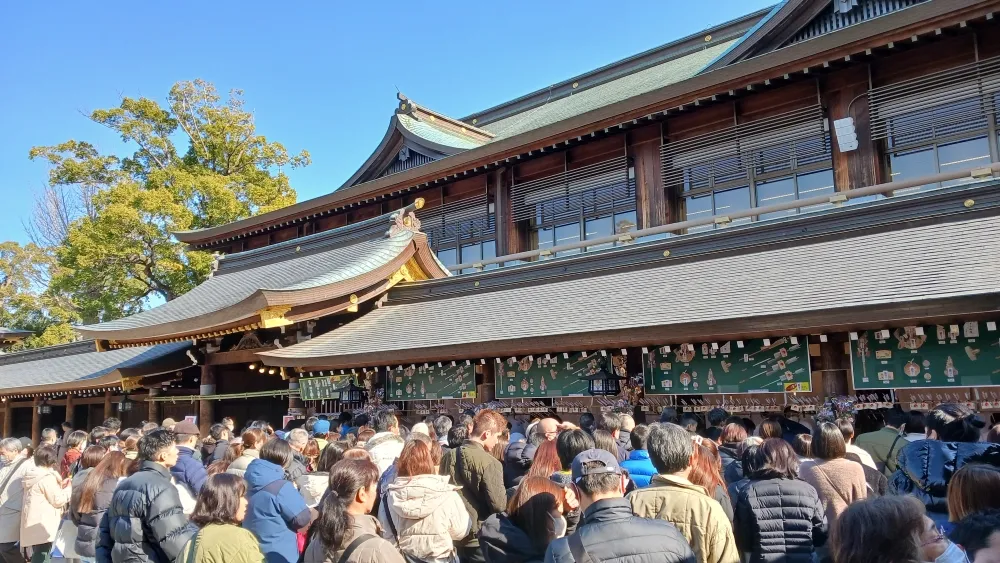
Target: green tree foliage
x=25, y=303
x=117, y=252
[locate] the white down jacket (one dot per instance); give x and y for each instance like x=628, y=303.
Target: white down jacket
x=428, y=514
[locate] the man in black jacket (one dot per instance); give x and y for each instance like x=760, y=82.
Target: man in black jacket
x=145, y=522
x=608, y=531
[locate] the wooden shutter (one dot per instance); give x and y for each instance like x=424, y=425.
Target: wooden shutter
x=469, y=218
x=605, y=184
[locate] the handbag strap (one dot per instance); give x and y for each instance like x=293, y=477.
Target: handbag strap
x=6, y=480
x=888, y=455
x=346, y=556
x=580, y=553
x=388, y=516
x=194, y=547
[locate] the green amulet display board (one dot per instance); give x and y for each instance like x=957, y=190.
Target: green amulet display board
x=420, y=383
x=779, y=366
x=323, y=388
x=556, y=376
x=962, y=355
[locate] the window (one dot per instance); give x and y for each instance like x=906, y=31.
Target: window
x=463, y=232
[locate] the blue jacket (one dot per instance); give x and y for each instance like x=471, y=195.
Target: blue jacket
x=275, y=511
x=639, y=468
x=188, y=470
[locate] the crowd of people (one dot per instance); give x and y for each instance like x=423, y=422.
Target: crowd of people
x=482, y=487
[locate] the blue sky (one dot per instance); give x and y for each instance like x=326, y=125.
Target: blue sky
x=319, y=76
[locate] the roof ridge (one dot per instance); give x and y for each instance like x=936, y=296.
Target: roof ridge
x=55, y=351
x=409, y=107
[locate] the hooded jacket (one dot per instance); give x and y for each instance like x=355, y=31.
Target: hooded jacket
x=427, y=513
x=240, y=464
x=779, y=521
x=44, y=502
x=145, y=522
x=312, y=486
x=501, y=541
x=640, y=467
x=275, y=512
x=517, y=461
x=728, y=455
x=88, y=523
x=926, y=467
x=189, y=471
x=384, y=448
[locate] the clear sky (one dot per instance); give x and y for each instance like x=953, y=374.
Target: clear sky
x=319, y=75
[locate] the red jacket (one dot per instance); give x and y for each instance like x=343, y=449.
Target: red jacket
x=68, y=460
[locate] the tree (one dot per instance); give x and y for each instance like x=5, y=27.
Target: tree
x=25, y=303
x=115, y=251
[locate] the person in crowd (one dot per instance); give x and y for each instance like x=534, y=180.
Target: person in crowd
x=993, y=435
x=16, y=464
x=297, y=439
x=188, y=471
x=608, y=530
x=276, y=510
x=420, y=428
x=234, y=451
x=747, y=462
x=230, y=424
x=145, y=521
x=520, y=455
x=847, y=429
x=75, y=443
x=442, y=425
x=875, y=481
x=778, y=517
x=321, y=433
x=588, y=422
x=221, y=508
x=883, y=444
x=916, y=426
x=973, y=488
x=344, y=427
x=889, y=529
x=168, y=424
x=978, y=535
x=612, y=424
x=838, y=481
x=729, y=443
x=50, y=437
x=472, y=467
x=214, y=449
x=638, y=465
x=803, y=447
x=96, y=434
x=311, y=454
x=130, y=447
x=926, y=466
x=456, y=436
x=345, y=524
x=569, y=444
x=669, y=414
x=148, y=427
x=671, y=496
x=769, y=429
x=734, y=472
x=111, y=442
x=714, y=421
x=503, y=440
x=45, y=500
x=546, y=461
x=690, y=422
x=67, y=429
x=422, y=511
x=535, y=516
x=705, y=472
x=385, y=445
x=625, y=434
x=113, y=424
x=253, y=439
x=312, y=486
x=91, y=497
x=92, y=456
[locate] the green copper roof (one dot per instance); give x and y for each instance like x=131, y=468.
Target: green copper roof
x=436, y=135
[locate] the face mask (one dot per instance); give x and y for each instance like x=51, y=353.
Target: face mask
x=952, y=554
x=559, y=526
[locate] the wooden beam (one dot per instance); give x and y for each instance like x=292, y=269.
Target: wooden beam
x=234, y=357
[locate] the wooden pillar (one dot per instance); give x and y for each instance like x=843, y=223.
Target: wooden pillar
x=651, y=199
x=69, y=408
x=206, y=407
x=36, y=422
x=8, y=418
x=154, y=406
x=834, y=365
x=860, y=167
x=294, y=402
x=108, y=412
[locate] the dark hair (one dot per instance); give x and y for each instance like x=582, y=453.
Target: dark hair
x=148, y=427
x=46, y=456
x=112, y=424
x=733, y=433
x=916, y=422
x=846, y=428
x=670, y=448
x=604, y=440
x=217, y=430
x=458, y=434
x=96, y=433
x=76, y=438
x=716, y=416
x=110, y=442
x=277, y=452
x=803, y=445
x=750, y=459
x=570, y=443
x=690, y=419
x=609, y=422
x=345, y=417
x=529, y=508
x=973, y=488
x=775, y=459
x=113, y=466
x=155, y=442
x=769, y=429
x=954, y=422
x=442, y=425
x=638, y=436
x=66, y=425
x=129, y=433
x=332, y=453
x=828, y=441
x=92, y=456
x=669, y=414
x=587, y=421
x=346, y=478
x=896, y=417
x=878, y=530
x=383, y=421
x=311, y=423
x=598, y=483
x=219, y=500
x=975, y=530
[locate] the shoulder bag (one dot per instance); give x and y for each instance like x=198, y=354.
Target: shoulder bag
x=580, y=553
x=346, y=556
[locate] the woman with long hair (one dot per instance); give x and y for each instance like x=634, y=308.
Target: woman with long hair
x=92, y=497
x=973, y=488
x=221, y=465
x=535, y=516
x=45, y=498
x=252, y=440
x=422, y=510
x=344, y=521
x=729, y=450
x=276, y=511
x=313, y=485
x=311, y=452
x=925, y=467
x=838, y=481
x=705, y=471
x=546, y=460
x=777, y=516
x=889, y=529
x=221, y=508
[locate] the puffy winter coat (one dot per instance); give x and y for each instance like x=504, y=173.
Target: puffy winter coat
x=45, y=499
x=223, y=543
x=312, y=486
x=640, y=468
x=240, y=464
x=926, y=467
x=89, y=523
x=384, y=448
x=297, y=468
x=373, y=550
x=12, y=498
x=610, y=532
x=428, y=514
x=145, y=522
x=211, y=453
x=517, y=461
x=481, y=477
x=501, y=541
x=189, y=471
x=728, y=455
x=275, y=512
x=779, y=520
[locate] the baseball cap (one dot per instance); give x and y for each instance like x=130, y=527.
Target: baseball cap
x=185, y=427
x=168, y=422
x=609, y=464
x=321, y=427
